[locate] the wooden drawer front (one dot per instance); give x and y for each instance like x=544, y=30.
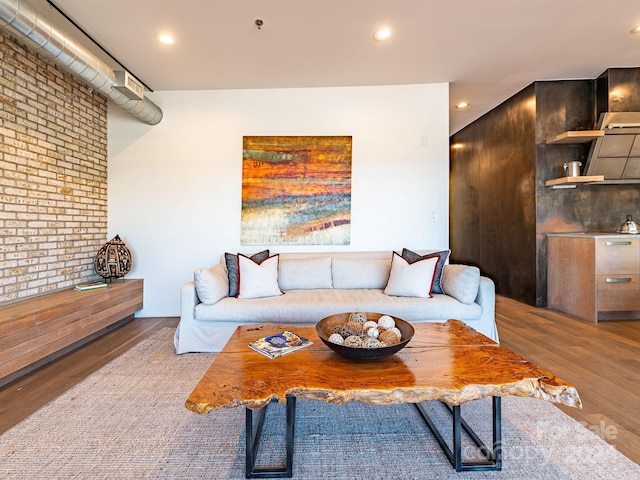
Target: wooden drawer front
x=618, y=256
x=618, y=293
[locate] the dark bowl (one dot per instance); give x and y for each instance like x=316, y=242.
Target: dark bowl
x=325, y=326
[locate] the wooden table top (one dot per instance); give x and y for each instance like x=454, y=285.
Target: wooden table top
x=446, y=361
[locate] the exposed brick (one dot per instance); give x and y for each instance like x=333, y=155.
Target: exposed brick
x=53, y=175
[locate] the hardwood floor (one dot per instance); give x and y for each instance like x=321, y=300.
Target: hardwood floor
x=601, y=360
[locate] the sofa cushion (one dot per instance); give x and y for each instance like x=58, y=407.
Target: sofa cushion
x=461, y=282
x=411, y=279
x=258, y=280
x=305, y=273
x=211, y=284
x=350, y=273
x=442, y=259
x=231, y=261
x=309, y=306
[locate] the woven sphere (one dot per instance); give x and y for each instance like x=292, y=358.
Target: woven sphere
x=369, y=324
x=336, y=338
x=371, y=343
x=348, y=329
x=386, y=321
x=113, y=259
x=389, y=337
x=397, y=331
x=358, y=317
x=373, y=332
x=353, y=341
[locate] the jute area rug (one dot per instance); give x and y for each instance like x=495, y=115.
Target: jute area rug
x=128, y=421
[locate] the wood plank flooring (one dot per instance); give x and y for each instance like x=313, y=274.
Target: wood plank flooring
x=601, y=360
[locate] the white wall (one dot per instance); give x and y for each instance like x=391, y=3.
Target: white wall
x=175, y=188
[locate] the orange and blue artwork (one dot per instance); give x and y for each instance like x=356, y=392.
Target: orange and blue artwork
x=296, y=190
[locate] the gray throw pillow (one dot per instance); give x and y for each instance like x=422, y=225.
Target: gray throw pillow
x=412, y=257
x=231, y=261
x=461, y=282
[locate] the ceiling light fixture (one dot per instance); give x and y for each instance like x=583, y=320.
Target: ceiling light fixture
x=382, y=34
x=462, y=105
x=635, y=29
x=166, y=39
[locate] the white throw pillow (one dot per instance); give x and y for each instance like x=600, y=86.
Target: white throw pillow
x=212, y=284
x=258, y=280
x=305, y=273
x=461, y=282
x=411, y=280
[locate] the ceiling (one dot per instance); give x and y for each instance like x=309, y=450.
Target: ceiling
x=486, y=50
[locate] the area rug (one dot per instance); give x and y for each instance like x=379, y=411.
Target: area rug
x=128, y=421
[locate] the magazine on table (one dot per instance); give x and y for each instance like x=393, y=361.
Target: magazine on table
x=283, y=343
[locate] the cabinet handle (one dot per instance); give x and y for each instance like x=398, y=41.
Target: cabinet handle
x=627, y=242
x=618, y=280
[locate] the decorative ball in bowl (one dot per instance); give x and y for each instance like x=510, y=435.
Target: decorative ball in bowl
x=364, y=335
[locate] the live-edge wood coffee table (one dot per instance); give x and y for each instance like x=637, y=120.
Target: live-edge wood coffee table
x=449, y=362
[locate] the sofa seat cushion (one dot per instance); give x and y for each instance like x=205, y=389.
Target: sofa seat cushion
x=310, y=306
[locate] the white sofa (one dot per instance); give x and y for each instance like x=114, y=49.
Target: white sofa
x=316, y=285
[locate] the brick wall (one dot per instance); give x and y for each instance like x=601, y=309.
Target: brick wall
x=53, y=175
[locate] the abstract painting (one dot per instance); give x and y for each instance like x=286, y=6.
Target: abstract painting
x=296, y=190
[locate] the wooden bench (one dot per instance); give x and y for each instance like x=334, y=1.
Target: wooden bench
x=37, y=330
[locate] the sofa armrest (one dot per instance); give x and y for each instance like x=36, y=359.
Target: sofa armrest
x=486, y=298
x=188, y=301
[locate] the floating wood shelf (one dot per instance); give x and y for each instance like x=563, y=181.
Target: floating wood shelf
x=35, y=330
x=575, y=136
x=574, y=180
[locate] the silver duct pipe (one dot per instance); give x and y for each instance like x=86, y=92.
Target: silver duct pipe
x=21, y=20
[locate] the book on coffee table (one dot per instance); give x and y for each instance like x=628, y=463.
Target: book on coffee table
x=283, y=343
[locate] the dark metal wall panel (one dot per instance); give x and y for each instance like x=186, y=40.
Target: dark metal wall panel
x=624, y=89
x=492, y=204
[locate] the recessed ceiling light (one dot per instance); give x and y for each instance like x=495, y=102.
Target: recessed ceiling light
x=462, y=105
x=166, y=39
x=635, y=29
x=382, y=34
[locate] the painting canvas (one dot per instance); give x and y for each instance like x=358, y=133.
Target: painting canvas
x=296, y=190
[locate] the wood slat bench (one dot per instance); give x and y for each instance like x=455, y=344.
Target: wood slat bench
x=37, y=330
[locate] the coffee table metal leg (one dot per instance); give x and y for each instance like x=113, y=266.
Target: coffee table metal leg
x=253, y=442
x=493, y=456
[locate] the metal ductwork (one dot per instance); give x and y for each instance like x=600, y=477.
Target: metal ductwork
x=20, y=19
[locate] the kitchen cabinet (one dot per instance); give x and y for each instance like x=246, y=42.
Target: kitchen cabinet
x=594, y=276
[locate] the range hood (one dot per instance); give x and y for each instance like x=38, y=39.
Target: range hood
x=616, y=154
